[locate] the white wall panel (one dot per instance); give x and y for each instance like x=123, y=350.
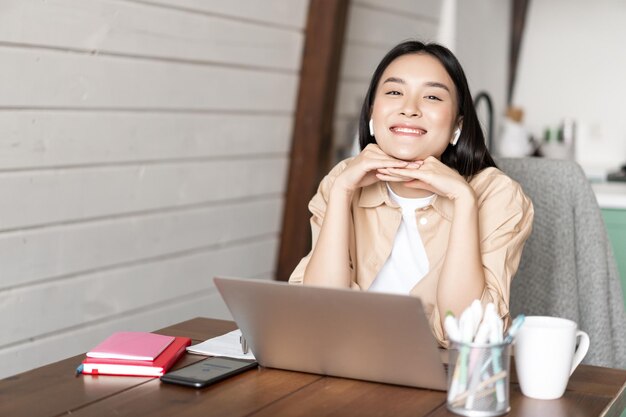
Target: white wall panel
x=350, y=98
x=289, y=13
x=425, y=9
x=376, y=27
x=54, y=252
x=26, y=312
x=83, y=193
x=106, y=26
x=43, y=139
x=359, y=61
x=143, y=148
x=77, y=340
x=86, y=81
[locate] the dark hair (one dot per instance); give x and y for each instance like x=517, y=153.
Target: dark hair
x=470, y=155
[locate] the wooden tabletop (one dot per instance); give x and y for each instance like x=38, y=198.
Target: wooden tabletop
x=53, y=390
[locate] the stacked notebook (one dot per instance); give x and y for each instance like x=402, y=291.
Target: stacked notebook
x=135, y=354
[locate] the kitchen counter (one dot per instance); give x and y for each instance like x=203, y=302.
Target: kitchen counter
x=610, y=195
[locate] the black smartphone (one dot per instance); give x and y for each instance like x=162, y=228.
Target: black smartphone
x=208, y=371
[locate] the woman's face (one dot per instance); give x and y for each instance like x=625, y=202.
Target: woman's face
x=414, y=111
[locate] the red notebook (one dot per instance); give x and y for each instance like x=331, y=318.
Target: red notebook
x=138, y=346
x=158, y=367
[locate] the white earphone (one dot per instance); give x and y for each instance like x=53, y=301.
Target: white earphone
x=372, y=127
x=456, y=136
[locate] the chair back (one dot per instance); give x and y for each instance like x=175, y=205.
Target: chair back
x=567, y=268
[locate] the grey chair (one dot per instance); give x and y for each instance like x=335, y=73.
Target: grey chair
x=567, y=268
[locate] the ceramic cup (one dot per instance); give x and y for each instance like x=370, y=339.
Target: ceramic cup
x=546, y=355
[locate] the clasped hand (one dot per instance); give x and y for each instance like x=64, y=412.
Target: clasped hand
x=373, y=165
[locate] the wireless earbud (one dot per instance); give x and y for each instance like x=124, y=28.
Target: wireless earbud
x=455, y=137
x=372, y=127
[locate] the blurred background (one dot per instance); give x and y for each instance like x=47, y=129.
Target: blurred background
x=145, y=144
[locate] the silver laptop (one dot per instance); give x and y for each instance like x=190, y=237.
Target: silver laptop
x=345, y=333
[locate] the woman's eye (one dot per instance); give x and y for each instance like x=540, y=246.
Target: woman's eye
x=393, y=93
x=433, y=98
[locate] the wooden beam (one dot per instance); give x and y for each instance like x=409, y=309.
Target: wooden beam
x=518, y=23
x=311, y=142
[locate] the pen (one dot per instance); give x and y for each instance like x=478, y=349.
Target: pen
x=244, y=344
x=494, y=378
x=466, y=324
x=477, y=315
x=515, y=326
x=496, y=337
x=452, y=327
x=482, y=335
x=474, y=372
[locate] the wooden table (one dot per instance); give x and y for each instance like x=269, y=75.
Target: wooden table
x=53, y=390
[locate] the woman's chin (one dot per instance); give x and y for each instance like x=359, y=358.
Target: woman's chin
x=404, y=153
x=407, y=156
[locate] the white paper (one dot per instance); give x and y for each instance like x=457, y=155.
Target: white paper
x=227, y=345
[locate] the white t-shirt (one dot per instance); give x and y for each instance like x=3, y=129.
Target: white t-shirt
x=408, y=262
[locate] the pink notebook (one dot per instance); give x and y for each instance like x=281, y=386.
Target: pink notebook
x=140, y=346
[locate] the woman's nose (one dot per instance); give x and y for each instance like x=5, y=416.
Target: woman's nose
x=410, y=109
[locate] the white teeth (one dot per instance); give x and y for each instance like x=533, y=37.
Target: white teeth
x=409, y=130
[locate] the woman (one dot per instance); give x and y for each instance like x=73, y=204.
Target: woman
x=422, y=210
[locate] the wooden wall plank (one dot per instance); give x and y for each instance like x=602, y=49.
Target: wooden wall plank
x=86, y=81
x=25, y=312
x=106, y=26
x=53, y=252
x=43, y=139
x=291, y=13
x=344, y=137
x=59, y=195
x=425, y=9
x=143, y=146
x=372, y=27
x=350, y=98
x=61, y=345
x=360, y=61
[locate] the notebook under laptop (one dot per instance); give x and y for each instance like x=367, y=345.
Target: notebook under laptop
x=345, y=333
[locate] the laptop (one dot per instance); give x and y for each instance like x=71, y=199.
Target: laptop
x=337, y=332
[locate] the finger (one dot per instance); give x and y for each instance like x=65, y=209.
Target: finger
x=385, y=171
x=421, y=185
x=405, y=172
x=390, y=178
x=383, y=156
x=397, y=172
x=373, y=164
x=423, y=174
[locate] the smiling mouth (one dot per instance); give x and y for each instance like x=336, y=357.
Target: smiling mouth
x=408, y=130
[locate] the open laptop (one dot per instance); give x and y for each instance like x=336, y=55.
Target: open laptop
x=338, y=332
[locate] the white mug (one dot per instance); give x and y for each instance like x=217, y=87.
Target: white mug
x=546, y=355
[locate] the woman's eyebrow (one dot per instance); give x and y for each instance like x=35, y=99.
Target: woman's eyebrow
x=427, y=83
x=394, y=80
x=437, y=84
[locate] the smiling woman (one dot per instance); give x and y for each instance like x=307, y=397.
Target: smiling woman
x=422, y=210
x=415, y=109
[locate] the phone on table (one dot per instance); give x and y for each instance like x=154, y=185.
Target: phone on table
x=208, y=371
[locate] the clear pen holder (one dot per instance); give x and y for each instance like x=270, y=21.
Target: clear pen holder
x=478, y=379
